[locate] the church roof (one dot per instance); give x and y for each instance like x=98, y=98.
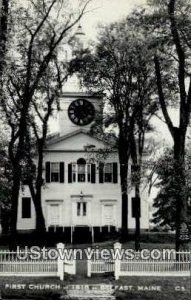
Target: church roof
x=57, y=138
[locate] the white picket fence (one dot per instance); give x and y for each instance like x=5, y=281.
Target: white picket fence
x=100, y=266
x=153, y=268
x=97, y=265
x=14, y=263
x=140, y=266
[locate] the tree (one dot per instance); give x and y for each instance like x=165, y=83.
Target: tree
x=39, y=29
x=139, y=168
x=165, y=201
x=118, y=68
x=3, y=32
x=178, y=28
x=166, y=26
x=5, y=184
x=42, y=110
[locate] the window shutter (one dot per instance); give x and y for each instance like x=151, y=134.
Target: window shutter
x=101, y=168
x=26, y=208
x=69, y=173
x=136, y=207
x=93, y=173
x=61, y=172
x=47, y=171
x=115, y=173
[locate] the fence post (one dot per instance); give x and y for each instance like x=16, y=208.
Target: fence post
x=89, y=264
x=117, y=263
x=92, y=235
x=60, y=262
x=71, y=233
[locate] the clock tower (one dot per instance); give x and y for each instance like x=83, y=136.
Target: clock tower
x=78, y=110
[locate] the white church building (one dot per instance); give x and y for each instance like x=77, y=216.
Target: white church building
x=79, y=192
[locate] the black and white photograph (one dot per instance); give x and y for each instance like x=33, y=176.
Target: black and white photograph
x=95, y=149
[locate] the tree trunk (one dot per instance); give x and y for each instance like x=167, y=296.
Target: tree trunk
x=40, y=222
x=17, y=168
x=137, y=183
x=136, y=155
x=137, y=219
x=123, y=159
x=36, y=194
x=14, y=204
x=36, y=197
x=180, y=185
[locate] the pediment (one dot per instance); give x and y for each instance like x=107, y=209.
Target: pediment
x=76, y=141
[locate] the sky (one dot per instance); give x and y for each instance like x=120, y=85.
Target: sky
x=106, y=11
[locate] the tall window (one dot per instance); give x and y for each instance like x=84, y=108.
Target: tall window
x=81, y=209
x=54, y=171
x=89, y=173
x=84, y=209
x=108, y=172
x=73, y=172
x=26, y=208
x=81, y=170
x=78, y=209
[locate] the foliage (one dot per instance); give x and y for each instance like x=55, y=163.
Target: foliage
x=4, y=16
x=180, y=50
x=5, y=184
x=165, y=201
x=32, y=83
x=166, y=26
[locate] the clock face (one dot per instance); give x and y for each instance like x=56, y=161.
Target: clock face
x=81, y=112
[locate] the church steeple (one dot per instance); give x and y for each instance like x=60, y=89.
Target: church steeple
x=77, y=44
x=79, y=31
x=79, y=39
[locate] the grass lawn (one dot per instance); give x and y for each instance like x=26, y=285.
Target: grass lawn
x=127, y=245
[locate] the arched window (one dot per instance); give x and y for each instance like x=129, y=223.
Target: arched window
x=81, y=161
x=81, y=170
